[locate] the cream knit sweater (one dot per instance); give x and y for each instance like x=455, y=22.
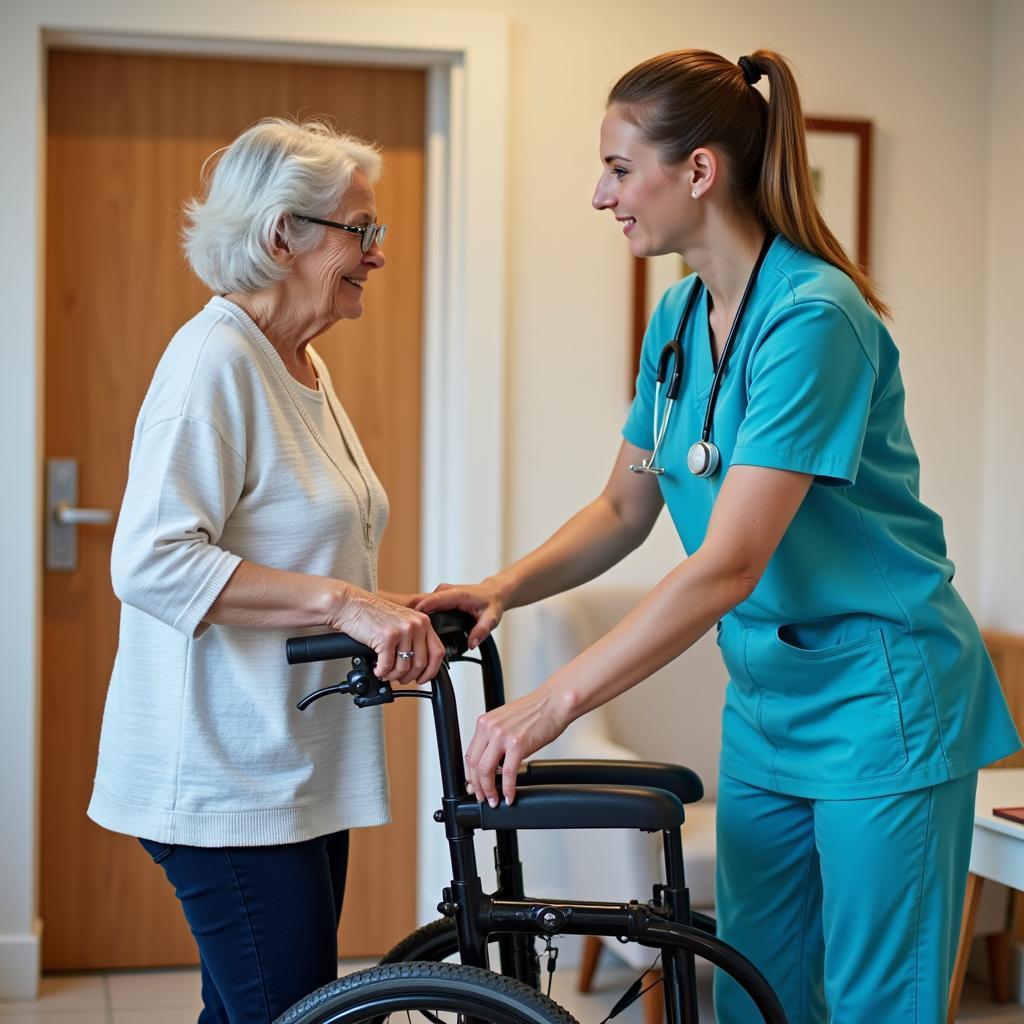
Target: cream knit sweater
x=201, y=742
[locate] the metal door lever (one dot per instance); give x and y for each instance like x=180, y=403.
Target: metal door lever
x=66, y=515
x=63, y=517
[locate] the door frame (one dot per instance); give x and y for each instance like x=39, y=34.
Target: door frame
x=466, y=60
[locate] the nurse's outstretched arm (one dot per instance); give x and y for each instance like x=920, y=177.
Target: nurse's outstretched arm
x=752, y=512
x=592, y=541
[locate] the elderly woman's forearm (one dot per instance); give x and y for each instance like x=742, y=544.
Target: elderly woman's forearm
x=257, y=595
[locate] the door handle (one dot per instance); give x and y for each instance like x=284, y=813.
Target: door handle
x=66, y=515
x=63, y=516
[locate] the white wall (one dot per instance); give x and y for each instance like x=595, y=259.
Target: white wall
x=931, y=74
x=1003, y=550
x=568, y=290
x=918, y=68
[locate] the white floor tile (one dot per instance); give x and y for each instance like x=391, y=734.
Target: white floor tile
x=172, y=997
x=351, y=966
x=61, y=993
x=609, y=984
x=164, y=1016
x=163, y=989
x=61, y=1017
x=977, y=1008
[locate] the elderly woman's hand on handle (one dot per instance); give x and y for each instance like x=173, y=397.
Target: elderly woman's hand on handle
x=258, y=596
x=408, y=649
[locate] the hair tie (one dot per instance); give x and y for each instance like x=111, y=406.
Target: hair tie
x=751, y=72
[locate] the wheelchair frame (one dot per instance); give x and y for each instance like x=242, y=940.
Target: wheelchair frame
x=551, y=794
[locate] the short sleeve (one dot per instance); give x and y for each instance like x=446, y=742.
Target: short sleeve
x=810, y=385
x=639, y=427
x=183, y=482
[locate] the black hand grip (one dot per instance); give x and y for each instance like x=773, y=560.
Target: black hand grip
x=452, y=627
x=325, y=647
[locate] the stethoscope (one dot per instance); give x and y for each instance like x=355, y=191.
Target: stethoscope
x=703, y=458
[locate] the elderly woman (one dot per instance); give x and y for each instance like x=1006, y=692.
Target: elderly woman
x=251, y=512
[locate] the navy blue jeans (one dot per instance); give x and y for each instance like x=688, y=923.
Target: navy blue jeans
x=265, y=919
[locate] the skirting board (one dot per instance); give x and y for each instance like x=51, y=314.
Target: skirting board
x=19, y=964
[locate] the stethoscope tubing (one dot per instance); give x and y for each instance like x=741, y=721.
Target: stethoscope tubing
x=672, y=354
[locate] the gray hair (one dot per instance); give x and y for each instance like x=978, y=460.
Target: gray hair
x=274, y=169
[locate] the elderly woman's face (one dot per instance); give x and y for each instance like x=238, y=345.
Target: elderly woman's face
x=335, y=273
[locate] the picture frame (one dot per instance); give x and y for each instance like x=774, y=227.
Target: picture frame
x=840, y=151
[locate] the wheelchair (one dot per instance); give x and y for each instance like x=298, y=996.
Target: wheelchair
x=550, y=794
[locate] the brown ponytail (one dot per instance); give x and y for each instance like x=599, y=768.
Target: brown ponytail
x=692, y=98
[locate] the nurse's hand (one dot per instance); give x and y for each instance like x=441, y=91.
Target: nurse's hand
x=484, y=601
x=506, y=736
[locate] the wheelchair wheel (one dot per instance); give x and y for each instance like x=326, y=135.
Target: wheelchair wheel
x=440, y=993
x=439, y=941
x=434, y=942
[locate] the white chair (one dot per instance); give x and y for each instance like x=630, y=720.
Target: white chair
x=674, y=716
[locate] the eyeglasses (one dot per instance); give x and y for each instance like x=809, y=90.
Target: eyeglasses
x=370, y=232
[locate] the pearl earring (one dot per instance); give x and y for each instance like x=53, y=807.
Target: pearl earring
x=694, y=193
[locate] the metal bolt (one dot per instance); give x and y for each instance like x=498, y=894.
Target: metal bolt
x=439, y=815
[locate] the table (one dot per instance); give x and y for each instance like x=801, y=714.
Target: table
x=997, y=853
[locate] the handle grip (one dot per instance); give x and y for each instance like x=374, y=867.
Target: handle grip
x=325, y=647
x=453, y=628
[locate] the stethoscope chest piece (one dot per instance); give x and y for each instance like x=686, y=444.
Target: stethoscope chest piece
x=702, y=459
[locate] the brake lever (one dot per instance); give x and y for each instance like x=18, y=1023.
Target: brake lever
x=366, y=690
x=317, y=694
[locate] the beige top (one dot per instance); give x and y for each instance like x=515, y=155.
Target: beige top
x=201, y=742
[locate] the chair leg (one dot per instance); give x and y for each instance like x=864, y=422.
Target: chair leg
x=972, y=898
x=654, y=999
x=588, y=966
x=998, y=949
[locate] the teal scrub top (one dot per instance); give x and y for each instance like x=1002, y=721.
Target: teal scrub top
x=855, y=668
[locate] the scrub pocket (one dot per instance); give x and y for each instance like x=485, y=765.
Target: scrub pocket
x=832, y=713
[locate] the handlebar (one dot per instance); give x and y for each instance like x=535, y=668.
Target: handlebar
x=324, y=647
x=452, y=627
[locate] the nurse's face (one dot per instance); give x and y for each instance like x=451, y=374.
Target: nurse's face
x=651, y=200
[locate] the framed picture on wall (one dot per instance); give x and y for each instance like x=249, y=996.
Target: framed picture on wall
x=839, y=152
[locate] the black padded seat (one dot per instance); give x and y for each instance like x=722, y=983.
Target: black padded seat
x=674, y=778
x=556, y=807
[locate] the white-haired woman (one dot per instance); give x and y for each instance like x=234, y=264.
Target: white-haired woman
x=251, y=512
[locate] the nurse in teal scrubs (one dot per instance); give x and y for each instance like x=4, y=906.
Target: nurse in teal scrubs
x=861, y=702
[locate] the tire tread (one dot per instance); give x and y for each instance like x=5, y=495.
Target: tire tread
x=458, y=974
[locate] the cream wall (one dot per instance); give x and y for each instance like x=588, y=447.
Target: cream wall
x=918, y=68
x=1002, y=550
x=941, y=82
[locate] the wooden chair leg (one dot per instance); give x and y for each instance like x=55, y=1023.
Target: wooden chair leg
x=998, y=949
x=972, y=898
x=654, y=1000
x=588, y=966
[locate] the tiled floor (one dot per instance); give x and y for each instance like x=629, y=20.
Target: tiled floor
x=172, y=997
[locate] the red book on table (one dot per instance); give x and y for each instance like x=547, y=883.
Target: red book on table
x=1010, y=813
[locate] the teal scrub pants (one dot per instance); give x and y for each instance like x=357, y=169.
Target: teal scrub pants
x=850, y=908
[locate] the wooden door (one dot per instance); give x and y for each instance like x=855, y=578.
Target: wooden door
x=127, y=135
